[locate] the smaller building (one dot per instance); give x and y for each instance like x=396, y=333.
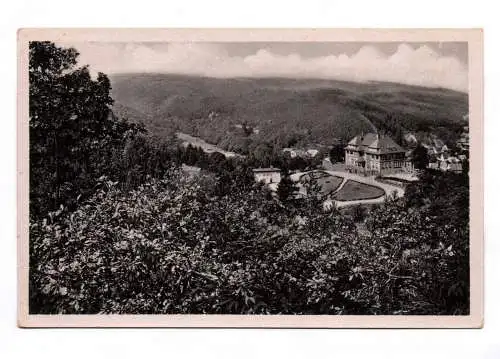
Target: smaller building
x=295, y=152
x=455, y=167
x=447, y=163
x=410, y=138
x=433, y=165
x=312, y=152
x=267, y=175
x=327, y=164
x=190, y=170
x=463, y=141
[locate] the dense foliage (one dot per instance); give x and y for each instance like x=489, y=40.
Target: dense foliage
x=134, y=233
x=173, y=246
x=73, y=136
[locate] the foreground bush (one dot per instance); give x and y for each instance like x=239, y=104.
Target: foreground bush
x=172, y=247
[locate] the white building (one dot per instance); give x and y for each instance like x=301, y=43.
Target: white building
x=312, y=152
x=267, y=175
x=190, y=170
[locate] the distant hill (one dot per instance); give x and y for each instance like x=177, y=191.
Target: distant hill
x=286, y=111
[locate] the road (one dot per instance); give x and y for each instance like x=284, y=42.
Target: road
x=388, y=188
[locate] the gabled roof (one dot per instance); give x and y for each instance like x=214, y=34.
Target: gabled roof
x=386, y=144
x=370, y=140
x=355, y=141
x=377, y=143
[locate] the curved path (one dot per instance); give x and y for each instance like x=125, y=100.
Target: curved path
x=388, y=188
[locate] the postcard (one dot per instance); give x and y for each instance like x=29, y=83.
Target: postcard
x=284, y=178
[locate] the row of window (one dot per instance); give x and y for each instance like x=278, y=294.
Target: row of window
x=377, y=157
x=392, y=164
x=372, y=165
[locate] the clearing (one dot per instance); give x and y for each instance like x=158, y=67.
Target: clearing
x=205, y=146
x=354, y=191
x=326, y=181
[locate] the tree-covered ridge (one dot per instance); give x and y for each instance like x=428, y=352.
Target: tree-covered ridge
x=116, y=226
x=286, y=112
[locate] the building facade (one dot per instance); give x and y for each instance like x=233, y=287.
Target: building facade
x=374, y=154
x=448, y=164
x=463, y=142
x=267, y=175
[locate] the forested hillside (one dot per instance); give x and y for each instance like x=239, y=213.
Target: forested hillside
x=285, y=111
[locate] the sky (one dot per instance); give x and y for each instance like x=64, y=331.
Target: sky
x=442, y=64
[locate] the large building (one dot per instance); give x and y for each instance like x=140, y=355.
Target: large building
x=374, y=154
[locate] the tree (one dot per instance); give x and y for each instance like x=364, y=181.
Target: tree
x=358, y=213
x=465, y=166
x=286, y=188
x=420, y=157
x=392, y=125
x=263, y=155
x=247, y=130
x=427, y=233
x=72, y=131
x=337, y=153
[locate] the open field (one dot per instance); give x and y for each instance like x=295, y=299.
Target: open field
x=353, y=191
x=205, y=146
x=328, y=183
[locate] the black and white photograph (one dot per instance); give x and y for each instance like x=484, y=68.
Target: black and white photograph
x=262, y=181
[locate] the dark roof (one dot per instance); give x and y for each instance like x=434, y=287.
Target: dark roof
x=363, y=140
x=369, y=139
x=376, y=143
x=269, y=169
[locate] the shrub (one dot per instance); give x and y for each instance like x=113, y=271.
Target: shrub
x=172, y=246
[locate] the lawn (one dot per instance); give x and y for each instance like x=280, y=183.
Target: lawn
x=327, y=182
x=353, y=191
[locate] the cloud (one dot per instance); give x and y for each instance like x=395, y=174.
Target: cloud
x=421, y=66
